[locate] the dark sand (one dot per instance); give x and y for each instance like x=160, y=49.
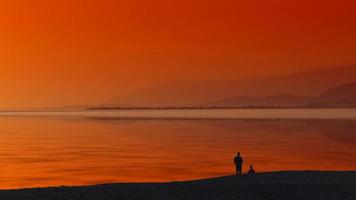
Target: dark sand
x=312, y=185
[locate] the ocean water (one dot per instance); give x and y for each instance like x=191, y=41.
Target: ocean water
x=337, y=113
x=80, y=148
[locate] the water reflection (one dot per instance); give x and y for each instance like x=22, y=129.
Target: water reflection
x=77, y=151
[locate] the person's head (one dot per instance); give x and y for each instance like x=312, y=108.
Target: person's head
x=238, y=153
x=251, y=166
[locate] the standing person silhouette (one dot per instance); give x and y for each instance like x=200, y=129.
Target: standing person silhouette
x=238, y=163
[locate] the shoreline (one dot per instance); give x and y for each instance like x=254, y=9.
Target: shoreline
x=337, y=113
x=268, y=185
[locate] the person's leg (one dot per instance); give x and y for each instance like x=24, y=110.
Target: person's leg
x=237, y=170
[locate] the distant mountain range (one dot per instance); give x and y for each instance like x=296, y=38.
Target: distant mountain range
x=320, y=87
x=340, y=96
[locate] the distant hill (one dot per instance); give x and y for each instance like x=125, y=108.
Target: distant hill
x=340, y=96
x=296, y=85
x=340, y=93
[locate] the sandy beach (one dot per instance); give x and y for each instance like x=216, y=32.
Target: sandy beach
x=274, y=185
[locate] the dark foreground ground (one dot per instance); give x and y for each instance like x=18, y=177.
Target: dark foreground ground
x=276, y=185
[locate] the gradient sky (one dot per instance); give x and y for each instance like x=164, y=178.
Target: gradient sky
x=87, y=51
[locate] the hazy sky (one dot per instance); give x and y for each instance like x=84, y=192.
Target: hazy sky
x=87, y=51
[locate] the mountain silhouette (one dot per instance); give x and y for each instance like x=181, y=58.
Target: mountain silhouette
x=340, y=96
x=295, y=89
x=340, y=93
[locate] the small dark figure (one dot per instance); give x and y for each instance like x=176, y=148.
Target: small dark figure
x=251, y=171
x=238, y=163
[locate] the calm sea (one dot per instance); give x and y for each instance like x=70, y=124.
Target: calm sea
x=79, y=148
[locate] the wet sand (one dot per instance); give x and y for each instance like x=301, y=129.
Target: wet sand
x=275, y=185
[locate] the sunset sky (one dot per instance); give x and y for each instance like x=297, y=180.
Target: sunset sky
x=69, y=52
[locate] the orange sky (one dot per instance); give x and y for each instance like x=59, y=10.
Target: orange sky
x=87, y=51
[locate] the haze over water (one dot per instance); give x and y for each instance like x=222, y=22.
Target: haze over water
x=77, y=150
